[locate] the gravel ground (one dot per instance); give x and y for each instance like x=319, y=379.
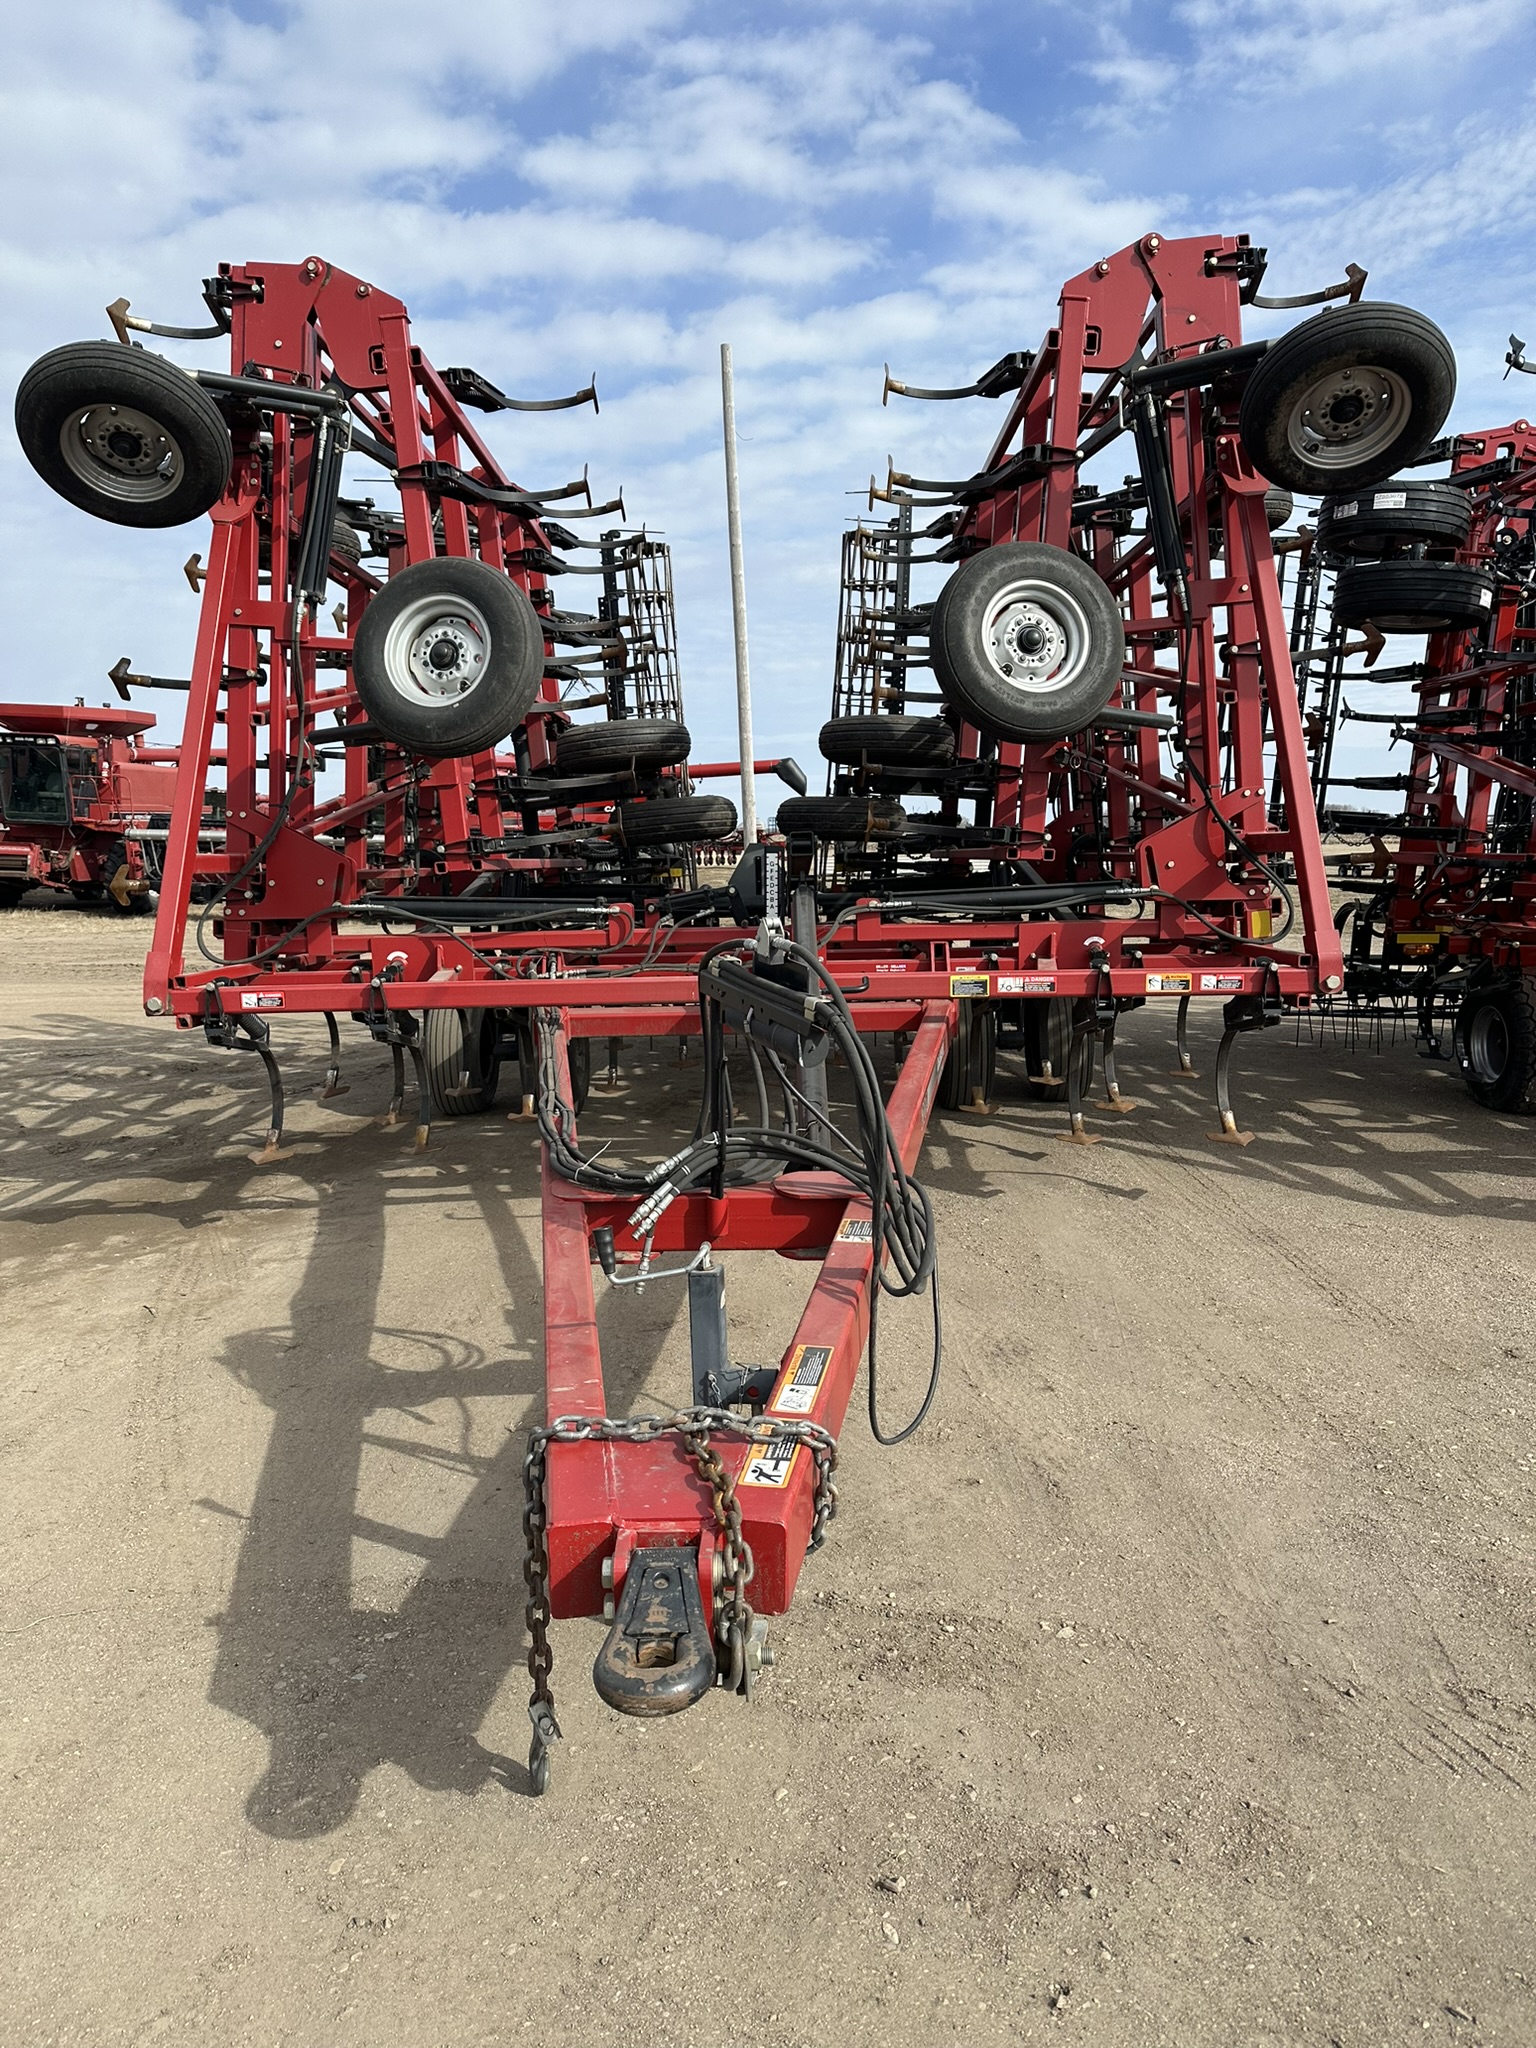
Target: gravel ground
x=1175, y=1685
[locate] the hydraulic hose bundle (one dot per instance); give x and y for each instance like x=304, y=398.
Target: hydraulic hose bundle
x=789, y=1009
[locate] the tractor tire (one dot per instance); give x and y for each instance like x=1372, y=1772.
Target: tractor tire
x=849, y=820
x=1413, y=597
x=452, y=1051
x=615, y=744
x=1495, y=1042
x=1347, y=397
x=1027, y=642
x=1048, y=1047
x=1370, y=522
x=448, y=657
x=889, y=742
x=123, y=434
x=11, y=894
x=676, y=820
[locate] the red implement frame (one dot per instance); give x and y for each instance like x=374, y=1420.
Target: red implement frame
x=1464, y=872
x=427, y=832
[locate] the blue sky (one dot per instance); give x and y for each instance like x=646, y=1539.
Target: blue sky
x=619, y=185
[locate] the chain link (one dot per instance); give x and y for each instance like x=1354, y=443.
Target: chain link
x=733, y=1612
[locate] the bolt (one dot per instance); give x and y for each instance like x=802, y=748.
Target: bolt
x=363, y=290
x=1189, y=319
x=1153, y=244
x=154, y=1006
x=1102, y=266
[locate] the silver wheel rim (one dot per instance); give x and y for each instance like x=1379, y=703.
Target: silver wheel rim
x=436, y=652
x=1349, y=416
x=1488, y=1044
x=121, y=453
x=1036, y=637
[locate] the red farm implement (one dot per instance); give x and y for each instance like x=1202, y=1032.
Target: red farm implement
x=84, y=804
x=1116, y=693
x=1441, y=928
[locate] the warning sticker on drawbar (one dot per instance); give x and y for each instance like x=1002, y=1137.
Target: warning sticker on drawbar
x=770, y=1465
x=970, y=985
x=1170, y=984
x=855, y=1230
x=259, y=1000
x=807, y=1368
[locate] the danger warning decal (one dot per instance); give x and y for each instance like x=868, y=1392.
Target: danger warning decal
x=1026, y=984
x=770, y=1465
x=807, y=1368
x=855, y=1230
x=1170, y=984
x=1221, y=981
x=257, y=1000
x=970, y=984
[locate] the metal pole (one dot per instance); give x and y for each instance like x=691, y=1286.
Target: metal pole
x=738, y=604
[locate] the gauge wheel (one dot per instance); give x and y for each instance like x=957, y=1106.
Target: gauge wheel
x=1347, y=397
x=1027, y=642
x=1495, y=1041
x=448, y=657
x=123, y=434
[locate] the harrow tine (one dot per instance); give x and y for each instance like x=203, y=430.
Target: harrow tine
x=1185, y=1070
x=334, y=1085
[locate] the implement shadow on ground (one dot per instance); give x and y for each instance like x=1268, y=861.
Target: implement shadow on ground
x=1386, y=1129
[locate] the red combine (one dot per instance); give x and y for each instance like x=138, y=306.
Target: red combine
x=1115, y=691
x=84, y=804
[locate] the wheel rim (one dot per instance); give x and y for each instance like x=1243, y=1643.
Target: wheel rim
x=1348, y=416
x=1488, y=1044
x=1036, y=637
x=436, y=652
x=121, y=453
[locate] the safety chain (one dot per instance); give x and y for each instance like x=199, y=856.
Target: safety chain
x=733, y=1613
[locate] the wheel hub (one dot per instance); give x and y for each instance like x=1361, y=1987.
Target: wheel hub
x=121, y=452
x=1035, y=637
x=1347, y=416
x=447, y=656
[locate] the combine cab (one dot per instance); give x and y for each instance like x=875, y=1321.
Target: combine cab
x=83, y=804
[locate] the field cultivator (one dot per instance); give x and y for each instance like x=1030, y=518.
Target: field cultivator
x=85, y=800
x=1116, y=689
x=1441, y=925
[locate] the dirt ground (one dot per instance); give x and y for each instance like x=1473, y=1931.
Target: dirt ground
x=1175, y=1685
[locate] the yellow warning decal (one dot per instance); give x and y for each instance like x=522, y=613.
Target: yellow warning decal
x=1170, y=984
x=770, y=1464
x=970, y=985
x=855, y=1230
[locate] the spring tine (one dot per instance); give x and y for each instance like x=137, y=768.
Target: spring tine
x=334, y=1085
x=423, y=1094
x=394, y=1113
x=1229, y=1134
x=1185, y=1070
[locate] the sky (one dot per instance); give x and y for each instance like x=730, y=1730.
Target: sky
x=621, y=185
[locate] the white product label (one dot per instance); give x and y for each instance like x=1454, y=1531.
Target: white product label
x=1390, y=501
x=1347, y=511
